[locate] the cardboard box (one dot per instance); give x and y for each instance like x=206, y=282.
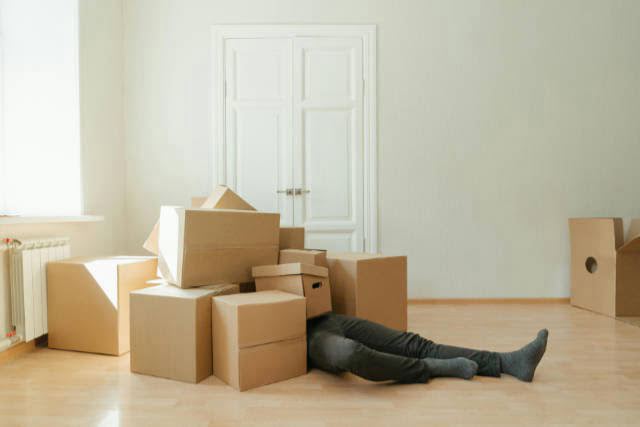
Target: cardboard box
x=310, y=281
x=373, y=287
x=200, y=247
x=258, y=338
x=303, y=256
x=221, y=198
x=171, y=331
x=605, y=268
x=88, y=301
x=291, y=237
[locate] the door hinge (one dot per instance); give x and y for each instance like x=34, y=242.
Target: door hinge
x=363, y=85
x=364, y=243
x=224, y=90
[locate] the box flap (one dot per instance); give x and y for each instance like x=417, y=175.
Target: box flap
x=632, y=245
x=105, y=260
x=221, y=198
x=289, y=269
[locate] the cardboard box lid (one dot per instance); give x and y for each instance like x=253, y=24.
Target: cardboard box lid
x=289, y=269
x=221, y=198
x=264, y=317
x=170, y=291
x=304, y=256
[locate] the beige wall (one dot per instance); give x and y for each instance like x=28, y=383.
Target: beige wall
x=102, y=145
x=498, y=120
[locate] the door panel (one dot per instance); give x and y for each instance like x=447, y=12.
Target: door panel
x=258, y=122
x=327, y=143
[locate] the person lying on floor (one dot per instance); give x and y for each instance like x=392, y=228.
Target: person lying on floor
x=338, y=343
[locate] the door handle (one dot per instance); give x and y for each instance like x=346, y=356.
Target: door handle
x=288, y=191
x=300, y=191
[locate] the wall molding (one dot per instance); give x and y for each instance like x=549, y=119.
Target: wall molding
x=424, y=301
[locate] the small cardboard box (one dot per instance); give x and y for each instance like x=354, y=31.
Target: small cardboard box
x=605, y=269
x=373, y=287
x=303, y=256
x=200, y=247
x=221, y=198
x=310, y=281
x=258, y=338
x=171, y=331
x=291, y=237
x=88, y=301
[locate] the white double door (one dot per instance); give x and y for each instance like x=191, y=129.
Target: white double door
x=293, y=133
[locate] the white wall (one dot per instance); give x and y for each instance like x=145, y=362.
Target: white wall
x=102, y=145
x=498, y=120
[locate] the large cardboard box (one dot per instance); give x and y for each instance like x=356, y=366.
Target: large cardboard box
x=310, y=281
x=221, y=198
x=258, y=338
x=373, y=287
x=171, y=331
x=605, y=268
x=88, y=301
x=200, y=247
x=291, y=237
x=303, y=256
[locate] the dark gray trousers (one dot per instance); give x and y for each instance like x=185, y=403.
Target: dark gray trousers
x=338, y=343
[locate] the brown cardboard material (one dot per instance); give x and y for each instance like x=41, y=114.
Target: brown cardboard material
x=605, y=269
x=88, y=301
x=171, y=331
x=373, y=287
x=221, y=198
x=291, y=237
x=303, y=256
x=310, y=281
x=200, y=247
x=258, y=338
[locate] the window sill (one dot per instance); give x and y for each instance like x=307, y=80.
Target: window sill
x=10, y=220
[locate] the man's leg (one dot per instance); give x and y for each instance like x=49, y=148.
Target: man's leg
x=335, y=353
x=387, y=340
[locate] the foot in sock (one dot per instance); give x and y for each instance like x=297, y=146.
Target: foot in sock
x=522, y=363
x=458, y=367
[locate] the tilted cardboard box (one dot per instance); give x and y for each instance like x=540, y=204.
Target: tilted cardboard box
x=605, y=269
x=171, y=331
x=221, y=198
x=88, y=301
x=310, y=281
x=303, y=256
x=373, y=287
x=258, y=338
x=200, y=247
x=291, y=237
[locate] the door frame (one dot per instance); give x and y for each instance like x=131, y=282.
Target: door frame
x=367, y=33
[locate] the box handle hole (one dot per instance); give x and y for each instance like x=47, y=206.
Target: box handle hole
x=316, y=285
x=591, y=264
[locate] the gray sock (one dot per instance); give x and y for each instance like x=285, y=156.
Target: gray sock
x=522, y=363
x=458, y=367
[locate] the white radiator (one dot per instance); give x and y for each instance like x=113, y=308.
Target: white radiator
x=28, y=274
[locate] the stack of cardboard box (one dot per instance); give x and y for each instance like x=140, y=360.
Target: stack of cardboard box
x=234, y=295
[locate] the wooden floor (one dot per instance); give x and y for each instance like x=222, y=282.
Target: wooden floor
x=590, y=375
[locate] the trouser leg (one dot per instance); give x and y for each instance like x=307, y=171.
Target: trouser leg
x=387, y=340
x=335, y=353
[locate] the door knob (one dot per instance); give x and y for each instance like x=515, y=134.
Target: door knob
x=300, y=191
x=288, y=191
